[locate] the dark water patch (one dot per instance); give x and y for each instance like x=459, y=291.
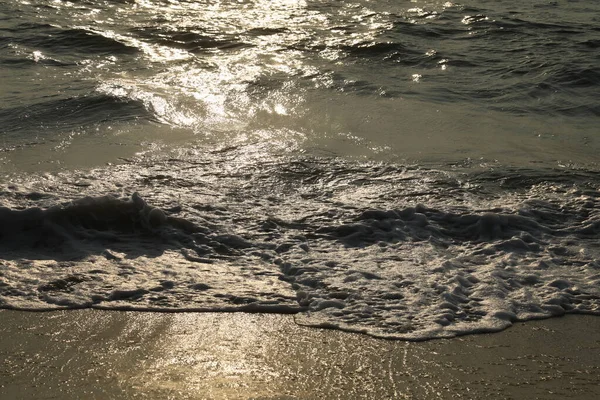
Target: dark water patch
x=391, y=52
x=591, y=44
x=370, y=49
x=508, y=55
x=530, y=26
x=84, y=41
x=266, y=31
x=67, y=113
x=189, y=39
x=28, y=62
x=427, y=31
x=57, y=40
x=27, y=26
x=574, y=76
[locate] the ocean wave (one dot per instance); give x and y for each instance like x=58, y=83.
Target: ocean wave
x=393, y=251
x=73, y=40
x=67, y=113
x=31, y=61
x=511, y=61
x=189, y=39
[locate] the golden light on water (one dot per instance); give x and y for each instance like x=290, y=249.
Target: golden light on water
x=271, y=75
x=212, y=89
x=248, y=42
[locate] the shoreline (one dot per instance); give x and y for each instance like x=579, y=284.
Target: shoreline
x=124, y=355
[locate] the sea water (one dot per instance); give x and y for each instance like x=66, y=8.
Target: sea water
x=405, y=169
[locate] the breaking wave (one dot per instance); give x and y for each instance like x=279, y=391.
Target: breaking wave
x=392, y=251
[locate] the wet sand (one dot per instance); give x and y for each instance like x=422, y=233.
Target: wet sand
x=91, y=354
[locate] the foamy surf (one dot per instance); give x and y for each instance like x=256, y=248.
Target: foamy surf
x=392, y=251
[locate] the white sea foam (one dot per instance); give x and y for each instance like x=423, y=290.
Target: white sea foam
x=391, y=251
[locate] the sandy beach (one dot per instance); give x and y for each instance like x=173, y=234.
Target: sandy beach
x=90, y=354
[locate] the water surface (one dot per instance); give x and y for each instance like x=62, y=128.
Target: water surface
x=404, y=169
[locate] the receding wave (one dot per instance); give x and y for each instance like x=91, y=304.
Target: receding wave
x=392, y=251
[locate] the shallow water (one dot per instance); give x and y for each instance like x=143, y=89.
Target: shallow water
x=405, y=169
